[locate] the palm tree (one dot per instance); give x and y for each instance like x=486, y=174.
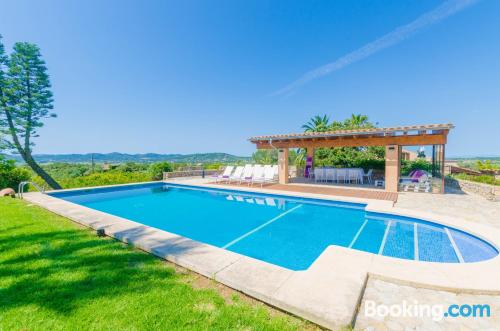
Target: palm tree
x=317, y=124
x=358, y=121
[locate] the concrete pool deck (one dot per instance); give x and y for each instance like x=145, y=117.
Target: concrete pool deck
x=331, y=290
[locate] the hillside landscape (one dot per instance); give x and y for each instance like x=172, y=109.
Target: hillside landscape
x=123, y=157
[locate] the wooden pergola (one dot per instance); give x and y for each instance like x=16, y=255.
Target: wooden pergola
x=392, y=139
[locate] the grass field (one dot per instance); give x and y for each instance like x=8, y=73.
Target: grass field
x=56, y=275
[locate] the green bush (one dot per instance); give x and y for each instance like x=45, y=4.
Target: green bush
x=63, y=170
x=10, y=175
x=367, y=164
x=156, y=170
x=213, y=166
x=418, y=164
x=265, y=156
x=132, y=167
x=350, y=157
x=102, y=178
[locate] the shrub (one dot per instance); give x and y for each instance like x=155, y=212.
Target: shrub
x=10, y=175
x=105, y=178
x=367, y=164
x=418, y=164
x=265, y=156
x=156, y=170
x=351, y=157
x=213, y=166
x=132, y=167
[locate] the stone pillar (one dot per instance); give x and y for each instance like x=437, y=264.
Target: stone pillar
x=283, y=166
x=392, y=164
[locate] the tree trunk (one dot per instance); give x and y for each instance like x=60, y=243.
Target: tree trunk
x=40, y=172
x=26, y=155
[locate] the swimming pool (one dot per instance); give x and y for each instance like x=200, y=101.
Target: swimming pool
x=286, y=231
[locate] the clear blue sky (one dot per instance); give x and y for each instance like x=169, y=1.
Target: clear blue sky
x=198, y=76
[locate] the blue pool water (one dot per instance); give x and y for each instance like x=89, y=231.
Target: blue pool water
x=289, y=232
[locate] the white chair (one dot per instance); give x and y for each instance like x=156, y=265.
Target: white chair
x=354, y=175
x=368, y=176
x=329, y=174
x=341, y=174
x=225, y=175
x=236, y=176
x=248, y=172
x=318, y=174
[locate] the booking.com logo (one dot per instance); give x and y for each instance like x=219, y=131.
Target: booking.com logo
x=436, y=312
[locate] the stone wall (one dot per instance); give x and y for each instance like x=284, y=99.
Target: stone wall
x=490, y=192
x=189, y=173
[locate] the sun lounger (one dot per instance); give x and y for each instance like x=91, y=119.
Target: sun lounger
x=258, y=174
x=268, y=176
x=225, y=175
x=236, y=176
x=247, y=174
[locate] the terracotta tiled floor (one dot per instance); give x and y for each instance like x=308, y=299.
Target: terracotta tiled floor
x=337, y=191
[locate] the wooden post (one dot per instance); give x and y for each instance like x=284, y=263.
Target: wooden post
x=283, y=165
x=392, y=164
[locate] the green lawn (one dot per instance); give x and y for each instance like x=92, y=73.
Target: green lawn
x=56, y=275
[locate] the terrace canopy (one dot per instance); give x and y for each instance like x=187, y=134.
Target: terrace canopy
x=392, y=139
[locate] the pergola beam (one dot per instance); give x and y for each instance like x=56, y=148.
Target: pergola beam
x=356, y=141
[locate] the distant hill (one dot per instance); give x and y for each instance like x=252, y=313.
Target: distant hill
x=121, y=157
x=470, y=158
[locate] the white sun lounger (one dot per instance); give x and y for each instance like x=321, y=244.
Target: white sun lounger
x=225, y=175
x=247, y=174
x=236, y=176
x=258, y=174
x=269, y=175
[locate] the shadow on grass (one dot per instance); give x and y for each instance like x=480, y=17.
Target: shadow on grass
x=61, y=270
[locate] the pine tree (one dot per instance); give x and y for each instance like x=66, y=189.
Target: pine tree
x=26, y=100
